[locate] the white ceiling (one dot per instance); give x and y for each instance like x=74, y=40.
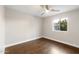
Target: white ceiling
x=36, y=10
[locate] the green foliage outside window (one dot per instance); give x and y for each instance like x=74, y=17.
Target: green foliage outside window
x=63, y=25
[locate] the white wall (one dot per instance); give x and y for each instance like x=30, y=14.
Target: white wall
x=71, y=36
x=2, y=29
x=21, y=27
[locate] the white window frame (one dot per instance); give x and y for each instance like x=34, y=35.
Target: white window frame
x=56, y=20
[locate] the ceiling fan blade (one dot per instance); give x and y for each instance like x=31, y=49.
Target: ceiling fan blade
x=47, y=7
x=54, y=10
x=42, y=13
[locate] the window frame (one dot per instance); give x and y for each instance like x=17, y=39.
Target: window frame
x=60, y=19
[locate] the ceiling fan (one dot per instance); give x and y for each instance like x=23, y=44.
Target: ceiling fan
x=47, y=9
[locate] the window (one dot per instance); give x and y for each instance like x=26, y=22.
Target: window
x=60, y=24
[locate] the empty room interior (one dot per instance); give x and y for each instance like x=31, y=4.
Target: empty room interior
x=40, y=29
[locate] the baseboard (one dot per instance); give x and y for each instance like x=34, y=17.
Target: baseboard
x=61, y=41
x=22, y=42
x=43, y=37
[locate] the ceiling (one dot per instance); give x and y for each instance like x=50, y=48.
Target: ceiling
x=36, y=10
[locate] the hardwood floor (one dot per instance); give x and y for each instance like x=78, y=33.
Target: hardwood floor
x=42, y=46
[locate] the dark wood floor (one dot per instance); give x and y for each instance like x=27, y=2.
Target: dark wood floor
x=42, y=46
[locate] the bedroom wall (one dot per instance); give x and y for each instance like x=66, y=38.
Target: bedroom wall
x=21, y=27
x=2, y=29
x=69, y=37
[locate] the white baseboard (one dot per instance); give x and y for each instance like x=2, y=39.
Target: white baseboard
x=41, y=37
x=61, y=41
x=22, y=42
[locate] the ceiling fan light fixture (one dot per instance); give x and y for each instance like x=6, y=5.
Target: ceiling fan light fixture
x=46, y=11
